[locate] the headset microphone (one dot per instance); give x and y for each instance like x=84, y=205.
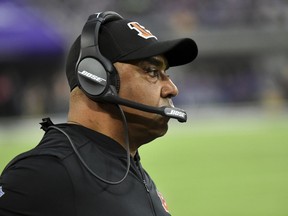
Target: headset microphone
x=89, y=80
x=171, y=112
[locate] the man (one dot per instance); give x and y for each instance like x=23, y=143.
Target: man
x=90, y=165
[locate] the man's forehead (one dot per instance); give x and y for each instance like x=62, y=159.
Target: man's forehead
x=158, y=60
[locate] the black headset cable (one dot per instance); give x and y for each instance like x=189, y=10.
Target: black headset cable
x=85, y=164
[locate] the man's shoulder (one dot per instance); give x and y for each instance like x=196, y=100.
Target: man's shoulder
x=52, y=147
x=39, y=181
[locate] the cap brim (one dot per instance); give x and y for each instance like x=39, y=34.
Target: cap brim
x=178, y=52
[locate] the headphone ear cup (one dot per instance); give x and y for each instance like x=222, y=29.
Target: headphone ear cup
x=92, y=77
x=96, y=74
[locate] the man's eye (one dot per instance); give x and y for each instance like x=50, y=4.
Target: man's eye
x=152, y=72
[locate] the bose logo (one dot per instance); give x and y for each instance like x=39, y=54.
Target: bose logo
x=92, y=77
x=176, y=113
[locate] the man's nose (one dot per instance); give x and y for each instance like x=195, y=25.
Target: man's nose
x=169, y=89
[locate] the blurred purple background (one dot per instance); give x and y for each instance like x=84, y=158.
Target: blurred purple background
x=242, y=58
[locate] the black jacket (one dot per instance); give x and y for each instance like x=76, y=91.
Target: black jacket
x=51, y=180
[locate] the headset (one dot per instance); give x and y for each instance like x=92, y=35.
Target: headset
x=99, y=79
x=96, y=75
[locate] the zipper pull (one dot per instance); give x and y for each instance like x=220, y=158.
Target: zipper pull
x=146, y=186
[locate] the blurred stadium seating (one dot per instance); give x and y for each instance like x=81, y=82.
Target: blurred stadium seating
x=242, y=59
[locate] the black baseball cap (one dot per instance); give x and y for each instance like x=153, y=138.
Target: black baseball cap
x=124, y=40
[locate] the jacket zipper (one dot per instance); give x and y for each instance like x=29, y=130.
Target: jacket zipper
x=138, y=165
x=146, y=186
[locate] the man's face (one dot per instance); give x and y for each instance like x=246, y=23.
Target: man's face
x=146, y=82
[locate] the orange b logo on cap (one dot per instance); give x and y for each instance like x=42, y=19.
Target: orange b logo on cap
x=142, y=31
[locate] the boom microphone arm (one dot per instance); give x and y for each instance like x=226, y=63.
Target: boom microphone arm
x=171, y=112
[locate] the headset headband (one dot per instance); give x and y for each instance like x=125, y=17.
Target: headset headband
x=90, y=32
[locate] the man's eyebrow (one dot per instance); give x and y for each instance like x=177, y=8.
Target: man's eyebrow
x=157, y=62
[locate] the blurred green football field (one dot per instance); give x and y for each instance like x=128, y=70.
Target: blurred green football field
x=212, y=167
